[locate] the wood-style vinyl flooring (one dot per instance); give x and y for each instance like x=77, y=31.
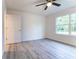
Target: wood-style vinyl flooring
x=39, y=49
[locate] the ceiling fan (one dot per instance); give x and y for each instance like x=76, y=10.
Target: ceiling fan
x=48, y=3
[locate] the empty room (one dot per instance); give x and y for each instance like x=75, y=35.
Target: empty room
x=39, y=29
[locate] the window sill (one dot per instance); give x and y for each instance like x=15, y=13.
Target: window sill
x=66, y=35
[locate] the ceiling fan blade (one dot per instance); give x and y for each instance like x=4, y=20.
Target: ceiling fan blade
x=46, y=8
x=50, y=0
x=47, y=0
x=53, y=0
x=41, y=4
x=56, y=4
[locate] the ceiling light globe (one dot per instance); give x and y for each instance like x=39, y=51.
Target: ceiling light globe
x=49, y=4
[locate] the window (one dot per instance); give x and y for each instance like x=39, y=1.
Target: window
x=73, y=24
x=66, y=24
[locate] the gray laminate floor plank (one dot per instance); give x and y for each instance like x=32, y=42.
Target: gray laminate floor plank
x=40, y=49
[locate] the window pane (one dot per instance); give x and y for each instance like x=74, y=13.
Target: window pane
x=65, y=19
x=73, y=19
x=73, y=24
x=73, y=29
x=62, y=24
x=62, y=20
x=63, y=29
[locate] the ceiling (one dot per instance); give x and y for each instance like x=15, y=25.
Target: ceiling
x=29, y=6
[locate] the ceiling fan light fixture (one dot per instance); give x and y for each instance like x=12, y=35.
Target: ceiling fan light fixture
x=49, y=4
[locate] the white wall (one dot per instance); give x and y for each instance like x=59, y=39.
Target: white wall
x=32, y=25
x=50, y=28
x=3, y=26
x=37, y=27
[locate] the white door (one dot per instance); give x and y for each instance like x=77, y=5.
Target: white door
x=13, y=28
